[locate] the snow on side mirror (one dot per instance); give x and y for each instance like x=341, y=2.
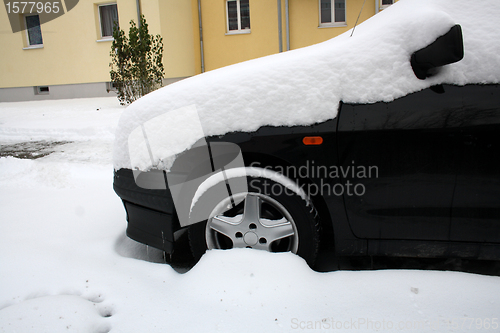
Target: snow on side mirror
x=445, y=50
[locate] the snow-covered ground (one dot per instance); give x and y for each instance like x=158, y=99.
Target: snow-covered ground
x=67, y=266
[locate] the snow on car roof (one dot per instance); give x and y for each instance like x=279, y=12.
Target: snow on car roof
x=304, y=86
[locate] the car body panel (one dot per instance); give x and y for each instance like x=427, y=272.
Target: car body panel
x=416, y=151
x=437, y=184
x=476, y=201
x=406, y=157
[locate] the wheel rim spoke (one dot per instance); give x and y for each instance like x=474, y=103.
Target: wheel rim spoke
x=252, y=209
x=265, y=247
x=223, y=225
x=281, y=231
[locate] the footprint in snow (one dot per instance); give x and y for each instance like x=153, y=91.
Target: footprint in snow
x=57, y=313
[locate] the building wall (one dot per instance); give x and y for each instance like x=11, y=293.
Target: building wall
x=62, y=91
x=222, y=49
x=68, y=55
x=72, y=52
x=304, y=21
x=176, y=18
x=73, y=55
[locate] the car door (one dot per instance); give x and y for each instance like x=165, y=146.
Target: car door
x=476, y=202
x=414, y=145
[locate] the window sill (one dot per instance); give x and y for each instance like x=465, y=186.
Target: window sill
x=332, y=25
x=238, y=32
x=110, y=39
x=32, y=47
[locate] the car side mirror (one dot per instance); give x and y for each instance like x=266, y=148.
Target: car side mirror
x=447, y=49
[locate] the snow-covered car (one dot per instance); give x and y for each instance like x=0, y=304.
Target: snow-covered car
x=381, y=143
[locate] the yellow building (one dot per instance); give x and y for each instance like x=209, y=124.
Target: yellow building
x=68, y=56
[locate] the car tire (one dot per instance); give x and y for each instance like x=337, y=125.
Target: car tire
x=268, y=217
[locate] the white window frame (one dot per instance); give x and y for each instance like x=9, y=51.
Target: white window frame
x=104, y=38
x=333, y=23
x=239, y=31
x=31, y=46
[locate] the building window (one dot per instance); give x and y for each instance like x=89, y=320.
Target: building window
x=108, y=17
x=385, y=3
x=332, y=12
x=42, y=90
x=33, y=30
x=111, y=86
x=238, y=16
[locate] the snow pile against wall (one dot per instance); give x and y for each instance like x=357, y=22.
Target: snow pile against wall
x=304, y=86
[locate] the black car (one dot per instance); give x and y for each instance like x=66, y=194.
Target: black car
x=417, y=176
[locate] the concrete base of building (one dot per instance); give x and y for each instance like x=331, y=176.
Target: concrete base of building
x=64, y=91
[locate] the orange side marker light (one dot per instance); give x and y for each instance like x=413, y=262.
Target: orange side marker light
x=312, y=140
